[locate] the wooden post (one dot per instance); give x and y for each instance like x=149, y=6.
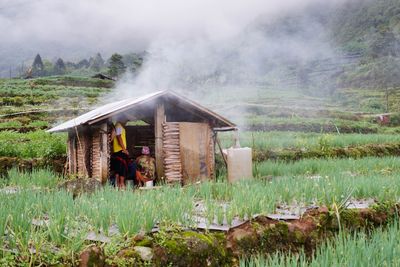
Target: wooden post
x=104, y=153
x=159, y=119
x=71, y=153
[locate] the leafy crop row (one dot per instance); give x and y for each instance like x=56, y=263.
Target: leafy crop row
x=377, y=249
x=38, y=144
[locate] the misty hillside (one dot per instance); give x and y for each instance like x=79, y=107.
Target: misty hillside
x=356, y=44
x=317, y=48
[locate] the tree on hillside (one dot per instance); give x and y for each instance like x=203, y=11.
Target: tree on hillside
x=84, y=63
x=116, y=65
x=59, y=67
x=37, y=66
x=133, y=61
x=97, y=62
x=48, y=68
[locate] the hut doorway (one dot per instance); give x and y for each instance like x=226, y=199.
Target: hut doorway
x=138, y=137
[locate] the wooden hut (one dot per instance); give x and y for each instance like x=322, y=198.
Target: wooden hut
x=180, y=133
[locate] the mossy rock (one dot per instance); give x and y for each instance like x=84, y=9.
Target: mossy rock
x=92, y=257
x=276, y=238
x=127, y=257
x=146, y=242
x=351, y=219
x=189, y=248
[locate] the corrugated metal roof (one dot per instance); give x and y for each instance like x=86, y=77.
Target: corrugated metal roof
x=112, y=108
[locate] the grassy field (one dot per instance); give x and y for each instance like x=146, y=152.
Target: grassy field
x=281, y=140
x=58, y=92
x=307, y=151
x=68, y=220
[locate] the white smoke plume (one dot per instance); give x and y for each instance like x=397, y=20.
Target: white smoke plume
x=192, y=44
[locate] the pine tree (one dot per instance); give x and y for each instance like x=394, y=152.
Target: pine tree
x=116, y=65
x=37, y=66
x=59, y=67
x=97, y=62
x=84, y=63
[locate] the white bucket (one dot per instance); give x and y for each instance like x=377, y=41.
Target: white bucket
x=149, y=184
x=240, y=164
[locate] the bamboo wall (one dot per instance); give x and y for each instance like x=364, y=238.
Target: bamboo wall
x=187, y=150
x=89, y=152
x=171, y=153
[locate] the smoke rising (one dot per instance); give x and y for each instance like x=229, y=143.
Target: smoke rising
x=194, y=46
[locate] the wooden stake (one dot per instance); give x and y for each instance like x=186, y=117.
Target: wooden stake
x=159, y=119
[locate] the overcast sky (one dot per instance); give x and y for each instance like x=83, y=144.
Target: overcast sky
x=177, y=29
x=110, y=24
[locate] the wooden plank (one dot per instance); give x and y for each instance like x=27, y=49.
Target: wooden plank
x=211, y=154
x=83, y=152
x=194, y=146
x=159, y=119
x=105, y=152
x=71, y=153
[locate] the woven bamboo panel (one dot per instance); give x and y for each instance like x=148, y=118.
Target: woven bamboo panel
x=95, y=154
x=83, y=154
x=172, y=153
x=71, y=153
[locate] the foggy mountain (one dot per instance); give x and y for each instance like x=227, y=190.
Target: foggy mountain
x=312, y=45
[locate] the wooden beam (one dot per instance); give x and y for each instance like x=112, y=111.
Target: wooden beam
x=222, y=153
x=71, y=153
x=159, y=119
x=104, y=153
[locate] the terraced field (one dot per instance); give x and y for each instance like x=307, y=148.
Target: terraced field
x=325, y=173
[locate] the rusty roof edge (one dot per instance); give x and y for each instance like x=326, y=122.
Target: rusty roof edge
x=105, y=116
x=92, y=117
x=72, y=123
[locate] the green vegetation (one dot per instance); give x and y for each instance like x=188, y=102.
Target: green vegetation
x=281, y=140
x=39, y=178
x=62, y=223
x=29, y=145
x=117, y=66
x=352, y=168
x=360, y=249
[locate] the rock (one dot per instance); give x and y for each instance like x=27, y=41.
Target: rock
x=145, y=253
x=242, y=240
x=190, y=248
x=139, y=236
x=80, y=186
x=92, y=257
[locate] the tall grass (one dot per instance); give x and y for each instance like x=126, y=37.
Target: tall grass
x=71, y=219
x=379, y=249
x=369, y=166
x=37, y=178
x=283, y=140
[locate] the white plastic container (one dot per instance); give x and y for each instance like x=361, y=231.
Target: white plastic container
x=240, y=163
x=149, y=184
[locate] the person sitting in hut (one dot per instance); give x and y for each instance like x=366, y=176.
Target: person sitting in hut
x=146, y=167
x=120, y=154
